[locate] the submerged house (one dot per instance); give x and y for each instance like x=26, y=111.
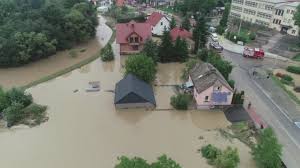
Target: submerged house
x=132, y=92
x=132, y=36
x=210, y=89
x=184, y=35
x=159, y=23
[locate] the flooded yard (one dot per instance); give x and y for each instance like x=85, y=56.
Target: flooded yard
x=23, y=75
x=85, y=129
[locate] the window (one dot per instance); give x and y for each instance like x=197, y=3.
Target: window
x=206, y=99
x=251, y=3
x=238, y=1
x=293, y=31
x=279, y=12
x=249, y=11
x=161, y=23
x=131, y=40
x=218, y=88
x=264, y=15
x=236, y=8
x=236, y=15
x=136, y=39
x=269, y=7
x=135, y=47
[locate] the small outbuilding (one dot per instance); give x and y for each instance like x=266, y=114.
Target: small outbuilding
x=132, y=92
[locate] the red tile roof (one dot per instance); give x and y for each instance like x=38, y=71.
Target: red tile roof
x=154, y=18
x=120, y=3
x=126, y=29
x=180, y=32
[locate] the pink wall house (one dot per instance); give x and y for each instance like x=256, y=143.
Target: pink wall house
x=210, y=90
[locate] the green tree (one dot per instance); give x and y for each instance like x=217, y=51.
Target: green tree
x=186, y=24
x=188, y=66
x=200, y=34
x=173, y=23
x=141, y=66
x=136, y=162
x=223, y=66
x=13, y=113
x=181, y=49
x=4, y=103
x=229, y=158
x=151, y=50
x=107, y=53
x=71, y=3
x=210, y=152
x=223, y=22
x=203, y=54
x=180, y=101
x=165, y=162
x=267, y=153
x=165, y=51
x=297, y=16
x=16, y=95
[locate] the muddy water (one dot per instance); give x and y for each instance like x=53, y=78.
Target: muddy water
x=85, y=130
x=23, y=75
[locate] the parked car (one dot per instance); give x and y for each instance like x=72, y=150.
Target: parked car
x=216, y=46
x=214, y=36
x=254, y=52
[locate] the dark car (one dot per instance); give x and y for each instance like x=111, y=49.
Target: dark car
x=216, y=46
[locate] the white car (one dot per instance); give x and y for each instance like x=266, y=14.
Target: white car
x=214, y=36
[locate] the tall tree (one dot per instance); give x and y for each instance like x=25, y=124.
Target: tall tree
x=173, y=23
x=166, y=48
x=200, y=34
x=224, y=20
x=181, y=49
x=151, y=50
x=186, y=24
x=267, y=153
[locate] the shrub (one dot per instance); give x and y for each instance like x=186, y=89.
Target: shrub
x=4, y=103
x=141, y=66
x=229, y=158
x=293, y=69
x=188, y=66
x=73, y=53
x=13, y=114
x=180, y=101
x=210, y=152
x=107, y=53
x=252, y=36
x=231, y=83
x=286, y=82
x=18, y=96
x=287, y=77
x=35, y=112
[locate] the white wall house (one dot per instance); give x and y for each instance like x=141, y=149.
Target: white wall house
x=263, y=12
x=158, y=22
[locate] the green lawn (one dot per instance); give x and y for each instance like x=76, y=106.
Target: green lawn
x=296, y=57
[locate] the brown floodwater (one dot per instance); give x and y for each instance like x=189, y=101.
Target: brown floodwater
x=23, y=75
x=86, y=131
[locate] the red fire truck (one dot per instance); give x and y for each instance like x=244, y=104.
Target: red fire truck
x=254, y=52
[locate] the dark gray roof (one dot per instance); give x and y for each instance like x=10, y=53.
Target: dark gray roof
x=204, y=75
x=133, y=90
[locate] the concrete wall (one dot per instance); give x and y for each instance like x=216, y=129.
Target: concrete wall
x=158, y=29
x=135, y=105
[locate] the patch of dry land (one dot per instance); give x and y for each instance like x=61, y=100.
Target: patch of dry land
x=20, y=76
x=85, y=129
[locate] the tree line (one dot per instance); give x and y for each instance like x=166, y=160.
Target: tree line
x=35, y=29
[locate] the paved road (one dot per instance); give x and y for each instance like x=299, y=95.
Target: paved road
x=288, y=134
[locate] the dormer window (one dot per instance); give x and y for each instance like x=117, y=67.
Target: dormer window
x=131, y=40
x=136, y=39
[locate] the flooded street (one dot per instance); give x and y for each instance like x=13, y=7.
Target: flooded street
x=23, y=75
x=86, y=131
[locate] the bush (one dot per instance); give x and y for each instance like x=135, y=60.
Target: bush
x=287, y=77
x=4, y=103
x=210, y=152
x=13, y=114
x=35, y=112
x=188, y=66
x=180, y=101
x=107, y=53
x=293, y=69
x=252, y=36
x=229, y=158
x=220, y=30
x=141, y=66
x=18, y=96
x=286, y=82
x=231, y=83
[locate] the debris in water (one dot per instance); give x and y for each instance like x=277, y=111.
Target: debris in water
x=76, y=90
x=94, y=86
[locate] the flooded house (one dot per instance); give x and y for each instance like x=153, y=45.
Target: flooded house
x=184, y=35
x=159, y=22
x=132, y=92
x=132, y=36
x=210, y=89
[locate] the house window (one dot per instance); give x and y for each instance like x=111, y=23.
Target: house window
x=135, y=47
x=293, y=31
x=206, y=98
x=161, y=23
x=136, y=39
x=131, y=39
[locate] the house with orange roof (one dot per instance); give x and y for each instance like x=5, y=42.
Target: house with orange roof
x=132, y=36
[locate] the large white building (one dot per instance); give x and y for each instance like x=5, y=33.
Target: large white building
x=275, y=14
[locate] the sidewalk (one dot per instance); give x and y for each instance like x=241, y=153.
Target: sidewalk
x=230, y=46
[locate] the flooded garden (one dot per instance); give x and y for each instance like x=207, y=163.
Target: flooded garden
x=85, y=129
